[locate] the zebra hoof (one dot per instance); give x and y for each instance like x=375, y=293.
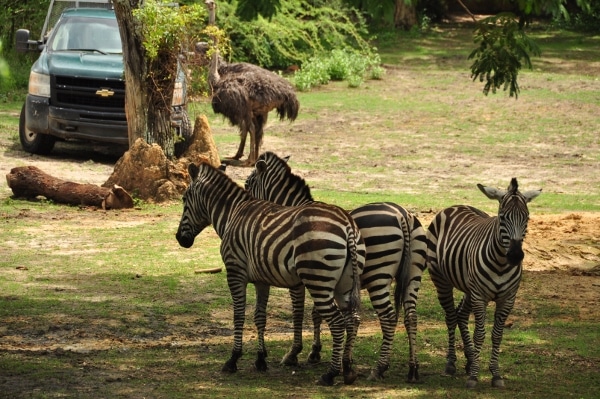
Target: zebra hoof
x=378, y=373
x=261, y=365
x=315, y=354
x=349, y=377
x=413, y=374
x=498, y=382
x=326, y=380
x=472, y=382
x=450, y=368
x=289, y=360
x=230, y=366
x=314, y=357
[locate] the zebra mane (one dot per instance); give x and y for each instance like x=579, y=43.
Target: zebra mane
x=216, y=175
x=275, y=164
x=513, y=186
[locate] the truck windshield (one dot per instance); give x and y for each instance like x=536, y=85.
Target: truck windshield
x=86, y=34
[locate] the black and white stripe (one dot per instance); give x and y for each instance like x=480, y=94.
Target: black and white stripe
x=480, y=256
x=396, y=249
x=316, y=246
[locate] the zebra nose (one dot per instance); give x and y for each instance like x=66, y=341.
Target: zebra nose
x=515, y=253
x=185, y=240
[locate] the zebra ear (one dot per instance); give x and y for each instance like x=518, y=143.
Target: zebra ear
x=531, y=194
x=286, y=159
x=193, y=170
x=223, y=167
x=492, y=193
x=260, y=165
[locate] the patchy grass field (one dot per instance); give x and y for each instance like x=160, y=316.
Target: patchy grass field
x=107, y=305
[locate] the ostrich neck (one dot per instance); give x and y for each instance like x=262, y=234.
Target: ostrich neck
x=213, y=73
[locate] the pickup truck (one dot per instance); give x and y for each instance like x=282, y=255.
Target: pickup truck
x=76, y=86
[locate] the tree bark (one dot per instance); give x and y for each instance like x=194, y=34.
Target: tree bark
x=149, y=83
x=30, y=182
x=136, y=99
x=405, y=16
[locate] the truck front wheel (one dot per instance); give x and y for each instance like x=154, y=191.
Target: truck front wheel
x=182, y=142
x=32, y=142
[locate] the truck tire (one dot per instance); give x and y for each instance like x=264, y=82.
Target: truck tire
x=182, y=142
x=34, y=143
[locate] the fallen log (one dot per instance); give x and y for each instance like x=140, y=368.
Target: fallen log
x=30, y=182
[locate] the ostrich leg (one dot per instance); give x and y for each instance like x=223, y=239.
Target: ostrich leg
x=256, y=136
x=240, y=151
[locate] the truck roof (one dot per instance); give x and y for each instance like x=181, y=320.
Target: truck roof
x=58, y=7
x=90, y=12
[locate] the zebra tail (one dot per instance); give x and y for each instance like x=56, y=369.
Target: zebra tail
x=356, y=271
x=403, y=273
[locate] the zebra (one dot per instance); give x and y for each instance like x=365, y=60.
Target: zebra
x=482, y=257
x=396, y=248
x=317, y=246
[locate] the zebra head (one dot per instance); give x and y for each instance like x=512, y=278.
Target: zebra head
x=272, y=180
x=513, y=216
x=192, y=220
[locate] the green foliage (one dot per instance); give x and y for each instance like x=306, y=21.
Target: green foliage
x=14, y=76
x=4, y=71
x=17, y=14
x=248, y=10
x=297, y=32
x=503, y=45
x=339, y=65
x=168, y=28
x=582, y=21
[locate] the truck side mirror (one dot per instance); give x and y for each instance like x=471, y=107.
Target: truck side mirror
x=23, y=43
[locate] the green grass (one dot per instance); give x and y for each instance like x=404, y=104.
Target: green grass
x=156, y=320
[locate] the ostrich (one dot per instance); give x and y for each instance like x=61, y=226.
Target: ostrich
x=245, y=94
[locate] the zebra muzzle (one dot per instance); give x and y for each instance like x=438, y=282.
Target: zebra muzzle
x=515, y=252
x=185, y=240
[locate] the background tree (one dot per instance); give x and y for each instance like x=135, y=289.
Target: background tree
x=154, y=35
x=4, y=71
x=503, y=47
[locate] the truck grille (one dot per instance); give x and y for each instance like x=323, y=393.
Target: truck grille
x=85, y=93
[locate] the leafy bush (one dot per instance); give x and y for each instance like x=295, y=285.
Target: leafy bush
x=341, y=65
x=582, y=20
x=296, y=33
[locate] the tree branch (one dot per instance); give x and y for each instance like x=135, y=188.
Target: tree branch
x=467, y=10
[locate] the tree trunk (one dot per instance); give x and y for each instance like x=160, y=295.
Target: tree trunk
x=136, y=100
x=30, y=182
x=148, y=83
x=405, y=16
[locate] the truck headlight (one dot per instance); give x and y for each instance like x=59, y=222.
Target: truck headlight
x=178, y=94
x=39, y=84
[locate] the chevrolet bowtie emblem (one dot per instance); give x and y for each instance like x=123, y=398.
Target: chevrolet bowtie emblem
x=105, y=93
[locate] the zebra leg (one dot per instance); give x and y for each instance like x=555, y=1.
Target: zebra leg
x=388, y=323
x=352, y=321
x=446, y=299
x=337, y=326
x=238, y=295
x=315, y=353
x=503, y=309
x=297, y=294
x=464, y=311
x=260, y=321
x=479, y=307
